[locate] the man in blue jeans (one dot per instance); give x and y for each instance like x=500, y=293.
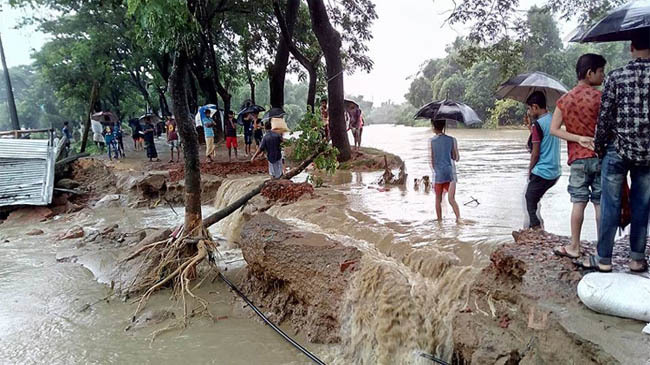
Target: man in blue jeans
x=623, y=139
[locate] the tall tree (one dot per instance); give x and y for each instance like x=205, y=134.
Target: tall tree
x=330, y=42
x=278, y=70
x=10, y=91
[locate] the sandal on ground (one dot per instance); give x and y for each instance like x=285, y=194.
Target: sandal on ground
x=644, y=266
x=591, y=265
x=562, y=252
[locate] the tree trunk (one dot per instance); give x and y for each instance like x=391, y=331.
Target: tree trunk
x=309, y=65
x=278, y=70
x=13, y=114
x=164, y=107
x=185, y=124
x=249, y=76
x=330, y=42
x=91, y=105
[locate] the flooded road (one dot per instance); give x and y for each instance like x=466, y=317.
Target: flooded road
x=41, y=299
x=492, y=168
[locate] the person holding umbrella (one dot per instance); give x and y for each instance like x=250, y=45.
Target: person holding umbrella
x=544, y=168
x=443, y=151
x=623, y=141
x=208, y=123
x=578, y=110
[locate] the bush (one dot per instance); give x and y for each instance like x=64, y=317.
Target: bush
x=505, y=112
x=309, y=138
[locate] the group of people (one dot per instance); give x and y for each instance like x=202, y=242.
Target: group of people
x=608, y=137
x=266, y=139
x=353, y=117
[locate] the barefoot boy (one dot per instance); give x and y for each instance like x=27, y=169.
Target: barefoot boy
x=444, y=152
x=578, y=111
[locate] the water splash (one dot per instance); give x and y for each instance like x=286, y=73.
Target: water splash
x=229, y=191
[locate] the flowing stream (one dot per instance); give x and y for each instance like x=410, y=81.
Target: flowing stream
x=415, y=269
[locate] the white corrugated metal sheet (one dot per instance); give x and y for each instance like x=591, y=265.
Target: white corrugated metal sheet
x=26, y=171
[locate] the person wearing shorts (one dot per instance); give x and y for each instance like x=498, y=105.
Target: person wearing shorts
x=444, y=155
x=172, y=139
x=578, y=111
x=231, y=134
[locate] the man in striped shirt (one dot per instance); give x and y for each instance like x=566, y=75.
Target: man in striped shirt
x=623, y=140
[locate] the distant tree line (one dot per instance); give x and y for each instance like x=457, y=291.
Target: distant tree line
x=472, y=71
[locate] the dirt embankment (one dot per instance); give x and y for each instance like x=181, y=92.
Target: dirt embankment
x=114, y=185
x=297, y=276
x=523, y=308
x=371, y=159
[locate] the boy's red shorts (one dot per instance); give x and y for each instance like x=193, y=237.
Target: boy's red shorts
x=441, y=187
x=231, y=142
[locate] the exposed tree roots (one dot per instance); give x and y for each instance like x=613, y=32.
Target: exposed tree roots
x=173, y=263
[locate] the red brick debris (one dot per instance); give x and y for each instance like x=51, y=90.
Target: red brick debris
x=222, y=169
x=286, y=191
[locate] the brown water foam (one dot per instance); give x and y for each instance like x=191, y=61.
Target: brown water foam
x=394, y=310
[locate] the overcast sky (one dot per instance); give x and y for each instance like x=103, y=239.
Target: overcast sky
x=406, y=34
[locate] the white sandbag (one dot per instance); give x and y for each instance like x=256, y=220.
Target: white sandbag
x=616, y=294
x=646, y=329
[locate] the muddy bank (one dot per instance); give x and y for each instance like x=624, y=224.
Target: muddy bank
x=299, y=277
x=371, y=159
x=99, y=180
x=523, y=308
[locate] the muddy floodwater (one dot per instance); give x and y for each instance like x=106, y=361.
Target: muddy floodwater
x=44, y=317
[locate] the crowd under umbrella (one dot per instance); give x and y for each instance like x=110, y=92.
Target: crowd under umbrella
x=620, y=24
x=449, y=110
x=104, y=117
x=521, y=86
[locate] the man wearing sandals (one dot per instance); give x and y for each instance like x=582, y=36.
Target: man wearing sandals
x=623, y=140
x=578, y=111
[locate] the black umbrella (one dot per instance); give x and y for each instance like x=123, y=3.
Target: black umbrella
x=521, y=86
x=620, y=24
x=252, y=109
x=449, y=110
x=153, y=117
x=274, y=113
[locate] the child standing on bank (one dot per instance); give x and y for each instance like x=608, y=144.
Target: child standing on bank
x=578, y=111
x=444, y=154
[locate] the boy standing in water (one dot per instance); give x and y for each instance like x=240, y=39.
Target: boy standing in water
x=578, y=111
x=444, y=154
x=544, y=168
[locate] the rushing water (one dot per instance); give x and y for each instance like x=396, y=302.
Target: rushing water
x=492, y=168
x=40, y=299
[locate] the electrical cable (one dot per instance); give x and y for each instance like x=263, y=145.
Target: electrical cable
x=267, y=321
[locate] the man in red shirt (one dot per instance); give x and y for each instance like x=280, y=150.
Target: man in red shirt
x=578, y=111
